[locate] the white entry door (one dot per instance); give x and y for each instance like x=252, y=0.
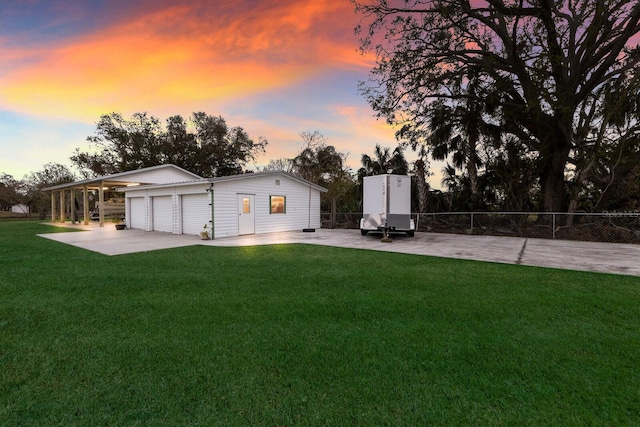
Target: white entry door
x=246, y=214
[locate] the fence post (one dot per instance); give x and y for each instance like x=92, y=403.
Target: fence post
x=471, y=228
x=553, y=215
x=333, y=213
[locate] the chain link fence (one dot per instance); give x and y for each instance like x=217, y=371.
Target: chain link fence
x=614, y=227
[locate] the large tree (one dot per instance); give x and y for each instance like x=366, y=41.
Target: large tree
x=318, y=162
x=205, y=145
x=12, y=191
x=282, y=164
x=534, y=69
x=323, y=164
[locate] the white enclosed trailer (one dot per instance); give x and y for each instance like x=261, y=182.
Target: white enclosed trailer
x=386, y=204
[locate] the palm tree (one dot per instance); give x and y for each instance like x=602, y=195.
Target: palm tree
x=384, y=161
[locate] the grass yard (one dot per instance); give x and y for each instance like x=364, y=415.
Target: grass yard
x=308, y=335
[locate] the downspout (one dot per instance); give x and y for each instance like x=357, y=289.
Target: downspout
x=213, y=234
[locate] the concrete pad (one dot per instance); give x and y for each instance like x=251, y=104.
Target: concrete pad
x=109, y=241
x=586, y=256
x=572, y=255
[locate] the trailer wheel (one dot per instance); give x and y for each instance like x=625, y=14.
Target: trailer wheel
x=410, y=233
x=364, y=232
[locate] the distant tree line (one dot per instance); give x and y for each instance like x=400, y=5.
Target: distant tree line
x=501, y=178
x=28, y=191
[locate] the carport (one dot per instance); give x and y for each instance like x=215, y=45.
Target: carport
x=61, y=209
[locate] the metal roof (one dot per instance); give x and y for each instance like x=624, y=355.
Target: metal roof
x=228, y=178
x=116, y=179
x=256, y=174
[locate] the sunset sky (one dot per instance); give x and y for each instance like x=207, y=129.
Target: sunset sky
x=275, y=68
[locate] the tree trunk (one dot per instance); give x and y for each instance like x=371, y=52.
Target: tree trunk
x=579, y=181
x=552, y=180
x=421, y=182
x=472, y=171
x=472, y=156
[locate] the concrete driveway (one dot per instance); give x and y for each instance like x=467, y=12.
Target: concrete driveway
x=572, y=255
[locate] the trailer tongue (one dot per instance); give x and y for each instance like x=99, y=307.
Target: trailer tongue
x=386, y=205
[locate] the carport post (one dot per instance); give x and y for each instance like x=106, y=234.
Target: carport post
x=85, y=204
x=63, y=213
x=72, y=204
x=53, y=206
x=101, y=201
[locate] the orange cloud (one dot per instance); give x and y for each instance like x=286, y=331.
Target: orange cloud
x=177, y=55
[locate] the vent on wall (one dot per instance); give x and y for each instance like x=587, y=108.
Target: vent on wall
x=277, y=182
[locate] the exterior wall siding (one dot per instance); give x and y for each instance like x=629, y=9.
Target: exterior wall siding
x=297, y=205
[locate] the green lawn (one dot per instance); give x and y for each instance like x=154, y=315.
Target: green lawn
x=308, y=335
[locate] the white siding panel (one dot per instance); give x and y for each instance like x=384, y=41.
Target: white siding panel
x=225, y=210
x=162, y=214
x=137, y=213
x=196, y=212
x=297, y=205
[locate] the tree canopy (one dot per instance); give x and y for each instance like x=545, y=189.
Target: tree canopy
x=552, y=81
x=206, y=145
x=318, y=162
x=323, y=164
x=11, y=191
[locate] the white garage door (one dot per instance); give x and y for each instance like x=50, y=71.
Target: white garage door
x=162, y=214
x=196, y=212
x=137, y=213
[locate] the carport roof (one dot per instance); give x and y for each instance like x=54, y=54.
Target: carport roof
x=121, y=179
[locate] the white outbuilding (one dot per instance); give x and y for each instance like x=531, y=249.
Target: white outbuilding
x=252, y=203
x=20, y=208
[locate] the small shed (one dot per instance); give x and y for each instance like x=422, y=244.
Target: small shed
x=20, y=208
x=253, y=203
